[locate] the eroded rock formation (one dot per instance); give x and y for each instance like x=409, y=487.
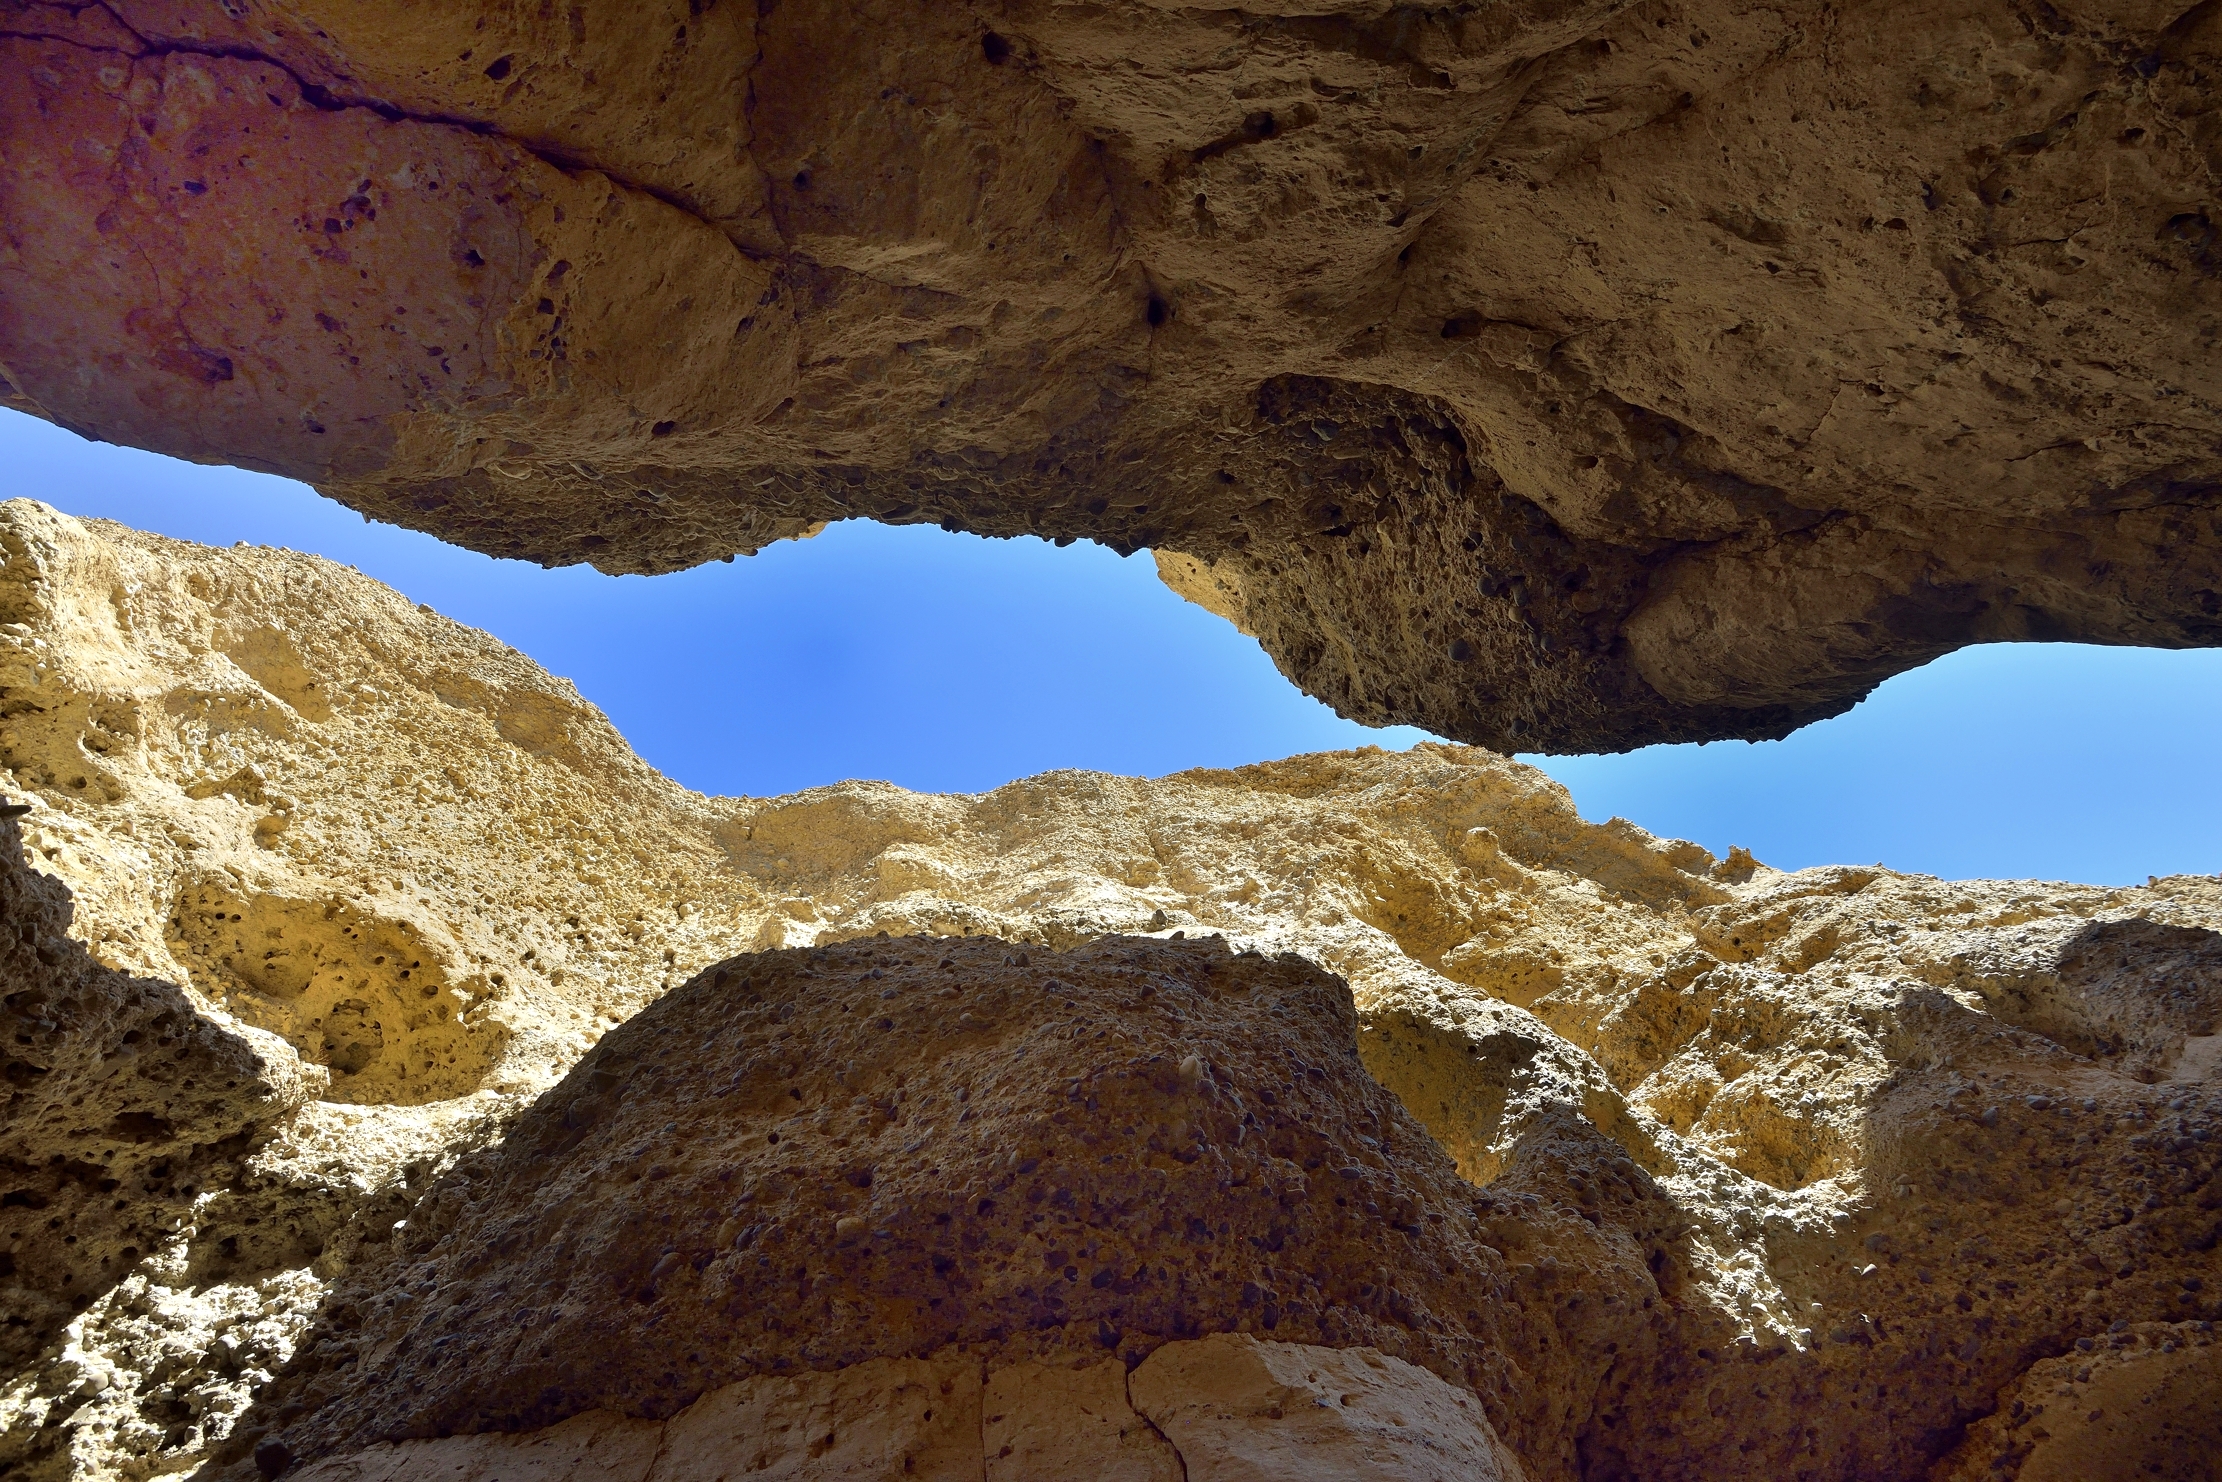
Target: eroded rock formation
x=123, y=1105
x=1677, y=1159
x=925, y=1150
x=1564, y=376
x=1228, y=1408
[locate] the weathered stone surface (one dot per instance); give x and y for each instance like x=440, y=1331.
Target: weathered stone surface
x=890, y=1418
x=1110, y=1149
x=2141, y=1402
x=121, y=1105
x=1818, y=1170
x=597, y=1445
x=1068, y=1420
x=1576, y=375
x=1242, y=1411
x=418, y=834
x=882, y=1151
x=885, y=1417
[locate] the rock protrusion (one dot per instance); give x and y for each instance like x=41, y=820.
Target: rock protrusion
x=1243, y=1410
x=368, y=997
x=895, y=1149
x=1815, y=1170
x=1453, y=354
x=1238, y=1410
x=123, y=1103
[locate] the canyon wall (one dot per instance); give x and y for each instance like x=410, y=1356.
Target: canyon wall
x=1555, y=376
x=403, y=1079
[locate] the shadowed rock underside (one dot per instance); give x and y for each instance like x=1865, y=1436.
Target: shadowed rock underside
x=1561, y=376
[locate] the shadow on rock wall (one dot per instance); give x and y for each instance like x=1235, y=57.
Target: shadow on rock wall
x=124, y=1104
x=806, y=1162
x=168, y=1220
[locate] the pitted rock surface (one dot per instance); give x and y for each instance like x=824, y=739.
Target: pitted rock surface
x=1827, y=1171
x=122, y=1104
x=808, y=1160
x=1241, y=1409
x=1572, y=375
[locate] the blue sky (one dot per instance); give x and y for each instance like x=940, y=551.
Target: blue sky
x=948, y=662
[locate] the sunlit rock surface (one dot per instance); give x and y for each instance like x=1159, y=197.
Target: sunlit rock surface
x=1673, y=1163
x=1562, y=376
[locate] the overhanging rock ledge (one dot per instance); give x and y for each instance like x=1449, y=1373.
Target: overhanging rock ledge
x=1563, y=376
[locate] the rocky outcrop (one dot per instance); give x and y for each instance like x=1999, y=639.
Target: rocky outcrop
x=1239, y=1410
x=960, y=1161
x=2141, y=1405
x=900, y=1151
x=123, y=1104
x=1567, y=377
x=1822, y=1172
x=294, y=984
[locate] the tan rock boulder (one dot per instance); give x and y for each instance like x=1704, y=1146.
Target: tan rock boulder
x=881, y=1418
x=888, y=1150
x=1243, y=1411
x=1063, y=1420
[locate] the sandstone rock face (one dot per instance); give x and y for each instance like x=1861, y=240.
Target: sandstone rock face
x=2142, y=1406
x=992, y=1158
x=1575, y=376
x=1243, y=1411
x=1052, y=1419
x=1227, y=1399
x=123, y=1104
x=329, y=928
x=815, y=1159
x=1823, y=1172
x=592, y=1445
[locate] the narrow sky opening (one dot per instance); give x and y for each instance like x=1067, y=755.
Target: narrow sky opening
x=947, y=662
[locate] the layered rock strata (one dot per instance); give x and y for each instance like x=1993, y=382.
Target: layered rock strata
x=1887, y=1156
x=1573, y=376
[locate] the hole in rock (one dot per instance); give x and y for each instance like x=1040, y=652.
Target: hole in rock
x=367, y=996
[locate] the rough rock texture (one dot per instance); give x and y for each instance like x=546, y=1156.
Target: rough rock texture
x=1240, y=1410
x=815, y=1158
x=945, y=1152
x=1037, y=1419
x=1577, y=374
x=282, y=843
x=122, y=1103
x=1886, y=1155
x=2144, y=1405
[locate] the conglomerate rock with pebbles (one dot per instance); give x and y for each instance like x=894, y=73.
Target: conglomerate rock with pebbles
x=1574, y=374
x=1886, y=1156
